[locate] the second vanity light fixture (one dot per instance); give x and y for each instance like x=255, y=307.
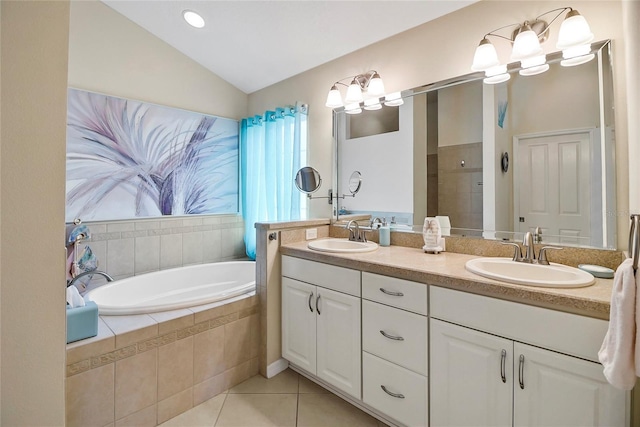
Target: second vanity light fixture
x=573, y=39
x=367, y=88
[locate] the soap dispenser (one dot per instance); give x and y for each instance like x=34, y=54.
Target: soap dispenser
x=384, y=233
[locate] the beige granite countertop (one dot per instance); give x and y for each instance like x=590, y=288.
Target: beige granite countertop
x=447, y=270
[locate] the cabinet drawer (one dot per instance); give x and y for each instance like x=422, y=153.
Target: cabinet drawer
x=327, y=276
x=410, y=351
x=411, y=409
x=399, y=293
x=571, y=334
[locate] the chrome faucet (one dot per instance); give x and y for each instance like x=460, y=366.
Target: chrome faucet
x=530, y=253
x=87, y=273
x=355, y=234
x=375, y=221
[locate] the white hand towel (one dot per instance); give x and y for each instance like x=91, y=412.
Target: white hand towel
x=620, y=351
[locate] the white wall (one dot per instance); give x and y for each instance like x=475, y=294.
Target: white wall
x=34, y=87
x=439, y=50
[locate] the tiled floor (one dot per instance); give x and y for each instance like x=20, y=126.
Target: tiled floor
x=287, y=399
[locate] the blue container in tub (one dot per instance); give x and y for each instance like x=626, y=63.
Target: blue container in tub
x=82, y=322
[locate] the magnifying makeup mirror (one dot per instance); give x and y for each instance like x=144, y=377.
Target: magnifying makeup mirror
x=355, y=182
x=308, y=180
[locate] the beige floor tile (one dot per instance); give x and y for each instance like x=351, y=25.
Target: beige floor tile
x=284, y=382
x=321, y=410
x=264, y=410
x=202, y=415
x=308, y=386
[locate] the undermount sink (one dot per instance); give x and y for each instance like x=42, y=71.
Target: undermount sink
x=341, y=246
x=520, y=273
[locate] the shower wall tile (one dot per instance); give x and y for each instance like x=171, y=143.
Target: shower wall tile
x=192, y=248
x=170, y=251
x=90, y=397
x=175, y=368
x=120, y=226
x=211, y=246
x=137, y=373
x=120, y=255
x=147, y=254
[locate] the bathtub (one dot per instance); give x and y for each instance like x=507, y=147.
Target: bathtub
x=175, y=288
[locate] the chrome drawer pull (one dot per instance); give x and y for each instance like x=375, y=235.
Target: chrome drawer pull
x=503, y=361
x=521, y=372
x=393, y=294
x=396, y=395
x=310, y=298
x=391, y=337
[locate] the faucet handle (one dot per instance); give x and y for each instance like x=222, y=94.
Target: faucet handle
x=542, y=256
x=517, y=255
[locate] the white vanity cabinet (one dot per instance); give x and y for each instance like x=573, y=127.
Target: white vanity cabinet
x=395, y=348
x=496, y=378
x=321, y=322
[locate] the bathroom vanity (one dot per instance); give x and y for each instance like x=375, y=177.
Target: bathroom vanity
x=417, y=340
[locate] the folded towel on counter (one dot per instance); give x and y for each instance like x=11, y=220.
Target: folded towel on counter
x=620, y=351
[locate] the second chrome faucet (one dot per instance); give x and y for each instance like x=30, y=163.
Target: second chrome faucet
x=530, y=252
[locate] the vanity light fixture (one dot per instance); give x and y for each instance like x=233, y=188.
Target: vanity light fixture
x=573, y=39
x=370, y=82
x=193, y=18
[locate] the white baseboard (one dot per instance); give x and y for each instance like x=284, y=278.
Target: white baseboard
x=276, y=367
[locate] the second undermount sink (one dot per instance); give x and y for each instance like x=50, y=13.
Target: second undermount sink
x=341, y=246
x=550, y=276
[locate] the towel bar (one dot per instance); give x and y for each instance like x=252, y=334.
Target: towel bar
x=634, y=240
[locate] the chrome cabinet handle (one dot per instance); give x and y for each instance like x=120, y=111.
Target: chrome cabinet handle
x=318, y=308
x=393, y=294
x=521, y=371
x=503, y=362
x=396, y=395
x=310, y=298
x=391, y=337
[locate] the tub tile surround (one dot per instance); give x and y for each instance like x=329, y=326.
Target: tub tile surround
x=146, y=369
x=128, y=248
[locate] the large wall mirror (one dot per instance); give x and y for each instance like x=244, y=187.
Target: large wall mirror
x=498, y=160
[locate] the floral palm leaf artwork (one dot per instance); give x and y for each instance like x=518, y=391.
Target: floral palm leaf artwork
x=129, y=159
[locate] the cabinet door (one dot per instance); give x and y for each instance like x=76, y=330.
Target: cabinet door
x=339, y=349
x=471, y=377
x=299, y=324
x=553, y=389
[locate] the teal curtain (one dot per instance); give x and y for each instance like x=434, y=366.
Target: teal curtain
x=270, y=150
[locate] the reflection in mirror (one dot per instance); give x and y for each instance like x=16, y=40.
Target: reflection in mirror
x=308, y=180
x=445, y=158
x=355, y=182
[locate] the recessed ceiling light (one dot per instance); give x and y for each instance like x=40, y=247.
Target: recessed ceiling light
x=193, y=18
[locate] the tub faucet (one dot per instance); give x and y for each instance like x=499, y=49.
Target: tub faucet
x=375, y=221
x=87, y=273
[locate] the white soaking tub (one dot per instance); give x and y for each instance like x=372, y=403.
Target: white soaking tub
x=175, y=288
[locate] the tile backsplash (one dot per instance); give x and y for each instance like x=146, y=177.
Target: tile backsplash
x=128, y=248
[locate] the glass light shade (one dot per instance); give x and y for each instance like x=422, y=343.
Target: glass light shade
x=533, y=66
x=353, y=108
x=393, y=99
x=372, y=104
x=497, y=74
x=485, y=57
x=526, y=45
x=375, y=87
x=354, y=93
x=334, y=99
x=574, y=31
x=193, y=19
x=576, y=55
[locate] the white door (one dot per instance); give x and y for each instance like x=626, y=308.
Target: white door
x=553, y=185
x=471, y=377
x=339, y=338
x=299, y=324
x=552, y=389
